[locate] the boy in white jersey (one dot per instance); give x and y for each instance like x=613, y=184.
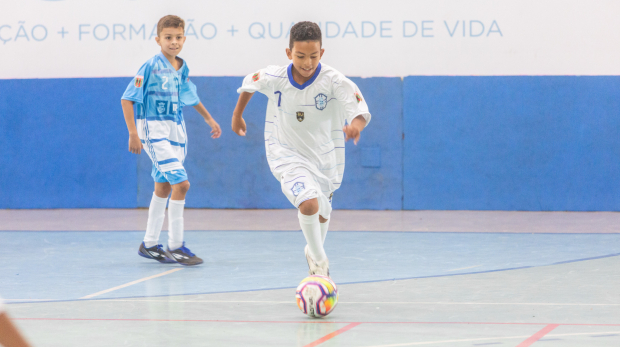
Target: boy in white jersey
x=161, y=89
x=308, y=106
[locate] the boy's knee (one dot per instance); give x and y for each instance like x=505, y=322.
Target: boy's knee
x=182, y=187
x=309, y=207
x=162, y=190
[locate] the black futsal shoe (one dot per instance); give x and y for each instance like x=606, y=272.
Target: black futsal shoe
x=183, y=256
x=156, y=252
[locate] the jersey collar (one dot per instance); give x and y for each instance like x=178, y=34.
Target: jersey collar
x=165, y=60
x=308, y=82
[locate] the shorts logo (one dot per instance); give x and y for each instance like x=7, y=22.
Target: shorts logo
x=320, y=101
x=256, y=77
x=298, y=188
x=138, y=81
x=300, y=116
x=330, y=197
x=358, y=97
x=162, y=107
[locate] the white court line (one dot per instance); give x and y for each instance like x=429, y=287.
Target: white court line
x=366, y=302
x=130, y=283
x=491, y=338
x=464, y=268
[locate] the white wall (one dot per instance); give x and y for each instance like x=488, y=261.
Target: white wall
x=453, y=37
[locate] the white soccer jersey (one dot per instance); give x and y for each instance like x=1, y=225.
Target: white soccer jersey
x=303, y=126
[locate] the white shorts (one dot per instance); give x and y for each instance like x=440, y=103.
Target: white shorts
x=299, y=185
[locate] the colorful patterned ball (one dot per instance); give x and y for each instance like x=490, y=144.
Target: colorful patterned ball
x=317, y=296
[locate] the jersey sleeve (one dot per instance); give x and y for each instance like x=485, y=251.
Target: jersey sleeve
x=188, y=94
x=137, y=87
x=256, y=82
x=351, y=99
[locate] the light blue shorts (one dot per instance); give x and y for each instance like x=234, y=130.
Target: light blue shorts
x=174, y=176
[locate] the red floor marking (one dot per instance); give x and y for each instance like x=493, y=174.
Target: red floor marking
x=301, y=322
x=538, y=335
x=332, y=335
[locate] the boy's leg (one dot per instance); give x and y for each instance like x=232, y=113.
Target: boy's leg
x=302, y=191
x=150, y=247
x=310, y=225
x=176, y=245
x=324, y=226
x=175, y=215
x=325, y=210
x=157, y=212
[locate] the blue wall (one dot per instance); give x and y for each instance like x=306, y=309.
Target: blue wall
x=64, y=144
x=512, y=143
x=486, y=143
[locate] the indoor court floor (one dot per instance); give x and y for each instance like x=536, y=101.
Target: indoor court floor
x=405, y=278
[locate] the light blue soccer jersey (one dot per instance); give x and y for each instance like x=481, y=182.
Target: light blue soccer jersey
x=160, y=92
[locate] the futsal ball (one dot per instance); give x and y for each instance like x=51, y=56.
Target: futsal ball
x=317, y=296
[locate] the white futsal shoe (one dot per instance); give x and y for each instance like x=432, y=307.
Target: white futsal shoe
x=314, y=268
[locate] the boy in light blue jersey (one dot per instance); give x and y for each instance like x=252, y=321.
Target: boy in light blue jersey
x=160, y=90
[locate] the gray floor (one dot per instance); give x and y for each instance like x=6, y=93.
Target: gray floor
x=565, y=303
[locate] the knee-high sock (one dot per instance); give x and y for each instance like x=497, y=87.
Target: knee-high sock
x=312, y=231
x=175, y=223
x=324, y=227
x=157, y=212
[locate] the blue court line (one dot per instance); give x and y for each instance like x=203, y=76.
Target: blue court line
x=331, y=231
x=358, y=282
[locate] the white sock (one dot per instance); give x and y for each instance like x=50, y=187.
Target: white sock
x=312, y=231
x=175, y=224
x=157, y=212
x=324, y=227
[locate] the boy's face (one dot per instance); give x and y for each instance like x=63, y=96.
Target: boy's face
x=171, y=41
x=306, y=56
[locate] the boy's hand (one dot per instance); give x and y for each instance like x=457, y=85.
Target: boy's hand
x=238, y=126
x=216, y=131
x=353, y=130
x=135, y=146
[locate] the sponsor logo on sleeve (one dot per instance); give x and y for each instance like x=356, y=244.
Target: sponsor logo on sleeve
x=138, y=80
x=300, y=116
x=256, y=77
x=358, y=97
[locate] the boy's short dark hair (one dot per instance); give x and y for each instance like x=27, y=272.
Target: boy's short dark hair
x=305, y=31
x=170, y=21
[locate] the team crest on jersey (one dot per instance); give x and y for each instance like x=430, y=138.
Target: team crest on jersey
x=358, y=97
x=161, y=106
x=300, y=116
x=138, y=81
x=320, y=101
x=298, y=188
x=256, y=77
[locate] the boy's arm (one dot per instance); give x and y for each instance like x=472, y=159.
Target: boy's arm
x=9, y=335
x=353, y=130
x=215, y=128
x=135, y=146
x=238, y=124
